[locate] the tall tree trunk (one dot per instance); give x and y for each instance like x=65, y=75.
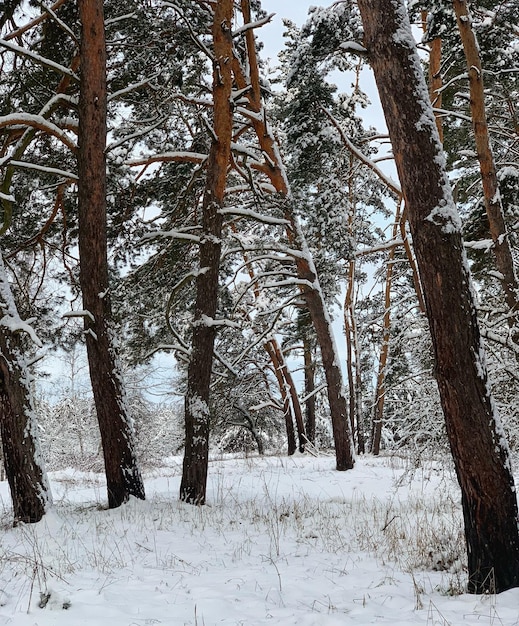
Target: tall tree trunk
x=350, y=326
x=196, y=455
x=306, y=271
x=309, y=388
x=285, y=399
x=476, y=438
x=122, y=473
x=435, y=75
x=287, y=376
x=22, y=458
x=380, y=390
x=493, y=203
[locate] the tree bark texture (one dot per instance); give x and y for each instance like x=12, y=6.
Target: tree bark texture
x=122, y=472
x=23, y=463
x=196, y=455
x=476, y=438
x=487, y=166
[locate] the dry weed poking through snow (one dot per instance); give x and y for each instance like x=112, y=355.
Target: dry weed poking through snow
x=281, y=541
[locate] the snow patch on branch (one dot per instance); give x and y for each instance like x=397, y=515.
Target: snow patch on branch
x=353, y=46
x=11, y=318
x=79, y=313
x=482, y=244
x=209, y=322
x=259, y=217
x=243, y=29
x=15, y=324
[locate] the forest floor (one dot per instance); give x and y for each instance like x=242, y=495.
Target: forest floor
x=281, y=541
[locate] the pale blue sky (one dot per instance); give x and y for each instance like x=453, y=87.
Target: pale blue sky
x=295, y=10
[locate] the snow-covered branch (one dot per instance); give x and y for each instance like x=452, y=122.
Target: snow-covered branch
x=15, y=34
x=388, y=245
x=120, y=18
x=388, y=181
x=140, y=133
x=258, y=217
x=39, y=122
x=173, y=234
x=250, y=25
x=353, y=47
x=446, y=113
x=79, y=313
x=132, y=87
x=44, y=168
x=168, y=157
x=209, y=322
x=10, y=317
x=37, y=58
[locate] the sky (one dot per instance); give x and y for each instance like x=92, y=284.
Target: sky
x=296, y=10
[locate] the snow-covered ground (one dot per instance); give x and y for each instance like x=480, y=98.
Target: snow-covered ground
x=281, y=541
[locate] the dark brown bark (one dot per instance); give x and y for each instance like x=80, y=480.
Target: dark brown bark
x=196, y=455
x=306, y=271
x=487, y=166
x=23, y=464
x=122, y=472
x=477, y=442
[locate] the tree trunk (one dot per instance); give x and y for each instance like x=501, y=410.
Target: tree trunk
x=380, y=390
x=285, y=400
x=23, y=463
x=122, y=473
x=493, y=204
x=306, y=271
x=309, y=388
x=196, y=456
x=287, y=376
x=435, y=75
x=476, y=438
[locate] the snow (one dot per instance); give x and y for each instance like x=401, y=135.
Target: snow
x=281, y=541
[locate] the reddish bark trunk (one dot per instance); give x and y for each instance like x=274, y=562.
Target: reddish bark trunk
x=122, y=473
x=477, y=442
x=487, y=166
x=196, y=455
